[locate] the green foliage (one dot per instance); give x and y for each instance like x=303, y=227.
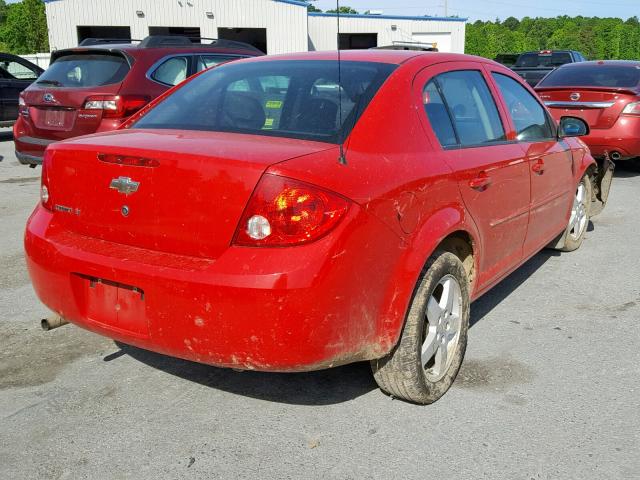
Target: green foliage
x=23, y=27
x=597, y=38
x=312, y=8
x=343, y=10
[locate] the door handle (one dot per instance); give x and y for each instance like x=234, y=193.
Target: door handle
x=481, y=182
x=538, y=167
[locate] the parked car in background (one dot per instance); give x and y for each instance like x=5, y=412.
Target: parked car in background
x=97, y=86
x=507, y=59
x=606, y=95
x=251, y=220
x=534, y=66
x=16, y=74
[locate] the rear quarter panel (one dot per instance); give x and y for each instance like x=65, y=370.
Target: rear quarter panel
x=395, y=175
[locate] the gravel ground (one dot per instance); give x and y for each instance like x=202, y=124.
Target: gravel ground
x=550, y=386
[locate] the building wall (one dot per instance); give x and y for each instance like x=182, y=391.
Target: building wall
x=323, y=30
x=285, y=21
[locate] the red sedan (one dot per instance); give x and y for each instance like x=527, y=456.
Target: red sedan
x=606, y=95
x=280, y=214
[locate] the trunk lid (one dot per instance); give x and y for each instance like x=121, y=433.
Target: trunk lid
x=187, y=199
x=600, y=108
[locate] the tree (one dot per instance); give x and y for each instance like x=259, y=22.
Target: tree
x=596, y=38
x=343, y=10
x=25, y=27
x=312, y=8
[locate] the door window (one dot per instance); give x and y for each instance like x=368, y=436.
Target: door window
x=529, y=117
x=207, y=61
x=172, y=71
x=16, y=71
x=467, y=101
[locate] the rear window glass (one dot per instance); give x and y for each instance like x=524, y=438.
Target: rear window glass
x=85, y=70
x=534, y=60
x=617, y=76
x=296, y=99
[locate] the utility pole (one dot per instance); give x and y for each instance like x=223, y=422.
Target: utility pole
x=446, y=8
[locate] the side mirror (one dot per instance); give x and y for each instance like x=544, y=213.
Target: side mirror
x=573, y=127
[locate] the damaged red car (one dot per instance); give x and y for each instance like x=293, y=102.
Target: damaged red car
x=293, y=213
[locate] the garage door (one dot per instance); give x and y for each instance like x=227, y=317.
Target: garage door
x=442, y=40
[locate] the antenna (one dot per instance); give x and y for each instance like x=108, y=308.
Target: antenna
x=342, y=160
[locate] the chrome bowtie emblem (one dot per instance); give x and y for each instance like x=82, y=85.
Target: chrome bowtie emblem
x=49, y=98
x=575, y=96
x=124, y=185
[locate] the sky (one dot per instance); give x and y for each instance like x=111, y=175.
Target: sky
x=490, y=9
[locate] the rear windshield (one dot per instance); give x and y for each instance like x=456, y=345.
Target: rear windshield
x=617, y=76
x=296, y=99
x=534, y=60
x=85, y=70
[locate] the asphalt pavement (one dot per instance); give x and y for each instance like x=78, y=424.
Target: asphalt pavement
x=549, y=389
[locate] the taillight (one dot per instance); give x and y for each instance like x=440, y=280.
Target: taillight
x=284, y=212
x=23, y=109
x=116, y=106
x=632, y=109
x=45, y=186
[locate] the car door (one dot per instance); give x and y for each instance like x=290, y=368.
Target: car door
x=15, y=76
x=467, y=123
x=550, y=161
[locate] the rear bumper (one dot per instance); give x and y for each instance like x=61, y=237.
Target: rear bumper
x=287, y=309
x=30, y=145
x=26, y=159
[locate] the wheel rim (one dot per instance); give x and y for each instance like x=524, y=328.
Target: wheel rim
x=578, y=220
x=442, y=332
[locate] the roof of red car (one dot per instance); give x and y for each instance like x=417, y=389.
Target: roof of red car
x=622, y=63
x=373, y=55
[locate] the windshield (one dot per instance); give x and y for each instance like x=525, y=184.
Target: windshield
x=618, y=76
x=296, y=99
x=535, y=60
x=85, y=70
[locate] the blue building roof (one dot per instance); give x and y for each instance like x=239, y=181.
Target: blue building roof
x=389, y=17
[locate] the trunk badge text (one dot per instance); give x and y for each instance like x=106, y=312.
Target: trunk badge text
x=124, y=185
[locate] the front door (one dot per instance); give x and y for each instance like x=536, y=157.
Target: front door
x=15, y=76
x=490, y=168
x=550, y=161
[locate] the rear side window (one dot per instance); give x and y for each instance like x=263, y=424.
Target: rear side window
x=530, y=118
x=438, y=116
x=172, y=71
x=207, y=61
x=610, y=76
x=535, y=60
x=465, y=98
x=13, y=70
x=86, y=70
x=295, y=99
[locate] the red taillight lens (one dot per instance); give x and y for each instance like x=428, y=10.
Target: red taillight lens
x=23, y=109
x=45, y=187
x=116, y=106
x=632, y=109
x=284, y=212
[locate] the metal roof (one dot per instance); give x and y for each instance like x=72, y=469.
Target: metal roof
x=388, y=17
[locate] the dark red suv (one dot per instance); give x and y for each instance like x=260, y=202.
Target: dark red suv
x=98, y=85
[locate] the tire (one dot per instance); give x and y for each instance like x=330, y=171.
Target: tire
x=580, y=213
x=402, y=373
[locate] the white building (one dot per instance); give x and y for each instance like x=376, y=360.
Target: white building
x=274, y=26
